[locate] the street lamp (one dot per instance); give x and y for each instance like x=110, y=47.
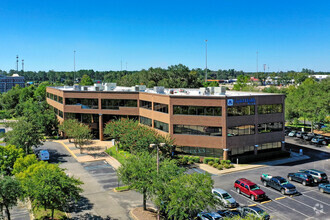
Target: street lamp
x=157, y=147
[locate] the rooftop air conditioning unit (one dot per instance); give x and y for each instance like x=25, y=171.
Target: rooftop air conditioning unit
x=222, y=90
x=76, y=87
x=211, y=89
x=135, y=88
x=202, y=90
x=98, y=87
x=159, y=89
x=110, y=86
x=142, y=88
x=85, y=88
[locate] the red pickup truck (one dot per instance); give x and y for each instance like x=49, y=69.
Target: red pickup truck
x=250, y=189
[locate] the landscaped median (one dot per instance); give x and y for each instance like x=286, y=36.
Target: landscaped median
x=211, y=161
x=119, y=155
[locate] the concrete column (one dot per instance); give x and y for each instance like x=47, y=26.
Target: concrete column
x=225, y=154
x=101, y=127
x=256, y=149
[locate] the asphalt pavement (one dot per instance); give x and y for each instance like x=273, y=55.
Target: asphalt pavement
x=308, y=204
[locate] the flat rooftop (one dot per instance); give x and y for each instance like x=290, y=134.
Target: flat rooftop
x=211, y=91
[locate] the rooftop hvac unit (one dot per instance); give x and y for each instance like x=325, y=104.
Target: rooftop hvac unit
x=98, y=87
x=76, y=87
x=159, y=89
x=222, y=90
x=142, y=88
x=217, y=90
x=207, y=91
x=211, y=90
x=202, y=90
x=85, y=88
x=110, y=86
x=135, y=88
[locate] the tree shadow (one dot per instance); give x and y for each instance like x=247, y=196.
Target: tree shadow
x=81, y=205
x=89, y=216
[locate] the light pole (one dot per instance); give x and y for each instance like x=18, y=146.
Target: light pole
x=74, y=66
x=157, y=148
x=205, y=60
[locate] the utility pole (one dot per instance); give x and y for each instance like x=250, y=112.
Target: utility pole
x=74, y=66
x=23, y=65
x=257, y=63
x=17, y=64
x=121, y=65
x=126, y=66
x=205, y=60
x=264, y=68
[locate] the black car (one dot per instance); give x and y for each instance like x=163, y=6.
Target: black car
x=318, y=176
x=304, y=178
x=300, y=134
x=308, y=136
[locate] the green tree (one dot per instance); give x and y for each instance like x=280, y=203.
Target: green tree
x=241, y=82
x=8, y=155
x=189, y=194
x=139, y=171
x=48, y=186
x=10, y=192
x=40, y=92
x=22, y=163
x=24, y=135
x=86, y=81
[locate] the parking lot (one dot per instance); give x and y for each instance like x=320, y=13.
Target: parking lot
x=308, y=204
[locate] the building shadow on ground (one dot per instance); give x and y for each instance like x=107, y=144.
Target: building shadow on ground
x=89, y=216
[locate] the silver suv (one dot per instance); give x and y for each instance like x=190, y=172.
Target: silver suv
x=318, y=176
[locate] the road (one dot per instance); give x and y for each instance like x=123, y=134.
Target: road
x=98, y=199
x=311, y=204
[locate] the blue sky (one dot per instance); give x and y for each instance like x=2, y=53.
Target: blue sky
x=289, y=35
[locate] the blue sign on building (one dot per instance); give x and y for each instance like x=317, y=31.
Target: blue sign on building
x=248, y=101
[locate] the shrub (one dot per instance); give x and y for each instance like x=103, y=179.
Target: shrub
x=186, y=158
x=210, y=163
x=220, y=167
x=215, y=165
x=216, y=160
x=226, y=166
x=196, y=159
x=231, y=166
x=223, y=162
x=208, y=159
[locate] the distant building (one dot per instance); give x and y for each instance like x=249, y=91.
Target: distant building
x=8, y=82
x=319, y=77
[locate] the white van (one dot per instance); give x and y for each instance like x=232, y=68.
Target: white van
x=43, y=155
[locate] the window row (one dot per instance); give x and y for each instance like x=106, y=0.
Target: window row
x=117, y=103
x=270, y=109
x=271, y=145
x=84, y=118
x=57, y=112
x=197, y=130
x=250, y=149
x=145, y=104
x=197, y=110
x=240, y=110
x=146, y=121
x=270, y=127
x=159, y=107
x=161, y=125
x=55, y=97
x=84, y=103
x=241, y=130
x=200, y=151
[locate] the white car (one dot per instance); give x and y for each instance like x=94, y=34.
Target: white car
x=225, y=198
x=292, y=134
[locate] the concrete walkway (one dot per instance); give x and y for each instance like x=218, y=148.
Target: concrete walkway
x=241, y=167
x=91, y=153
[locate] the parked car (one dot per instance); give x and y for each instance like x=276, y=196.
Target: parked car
x=225, y=198
x=226, y=213
x=318, y=176
x=292, y=134
x=278, y=183
x=253, y=210
x=304, y=178
x=249, y=188
x=320, y=140
x=309, y=136
x=300, y=134
x=287, y=130
x=209, y=216
x=324, y=188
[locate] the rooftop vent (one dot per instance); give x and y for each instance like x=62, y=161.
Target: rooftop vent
x=76, y=87
x=159, y=89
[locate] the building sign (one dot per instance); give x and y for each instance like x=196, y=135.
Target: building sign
x=247, y=101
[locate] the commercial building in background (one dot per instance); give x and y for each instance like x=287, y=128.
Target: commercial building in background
x=8, y=82
x=205, y=122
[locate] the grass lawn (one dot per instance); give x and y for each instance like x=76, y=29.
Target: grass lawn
x=120, y=155
x=122, y=188
x=40, y=214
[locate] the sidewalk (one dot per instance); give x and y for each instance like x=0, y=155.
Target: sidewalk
x=91, y=153
x=241, y=167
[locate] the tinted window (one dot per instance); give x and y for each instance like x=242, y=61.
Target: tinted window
x=242, y=184
x=238, y=182
x=246, y=187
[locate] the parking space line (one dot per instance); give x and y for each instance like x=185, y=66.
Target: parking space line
x=293, y=209
x=280, y=198
x=327, y=204
x=313, y=190
x=252, y=205
x=266, y=202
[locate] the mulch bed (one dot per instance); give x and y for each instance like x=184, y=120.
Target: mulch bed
x=140, y=214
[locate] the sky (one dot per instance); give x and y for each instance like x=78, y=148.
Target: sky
x=115, y=35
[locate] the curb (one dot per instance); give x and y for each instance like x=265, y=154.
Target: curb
x=132, y=215
x=68, y=149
